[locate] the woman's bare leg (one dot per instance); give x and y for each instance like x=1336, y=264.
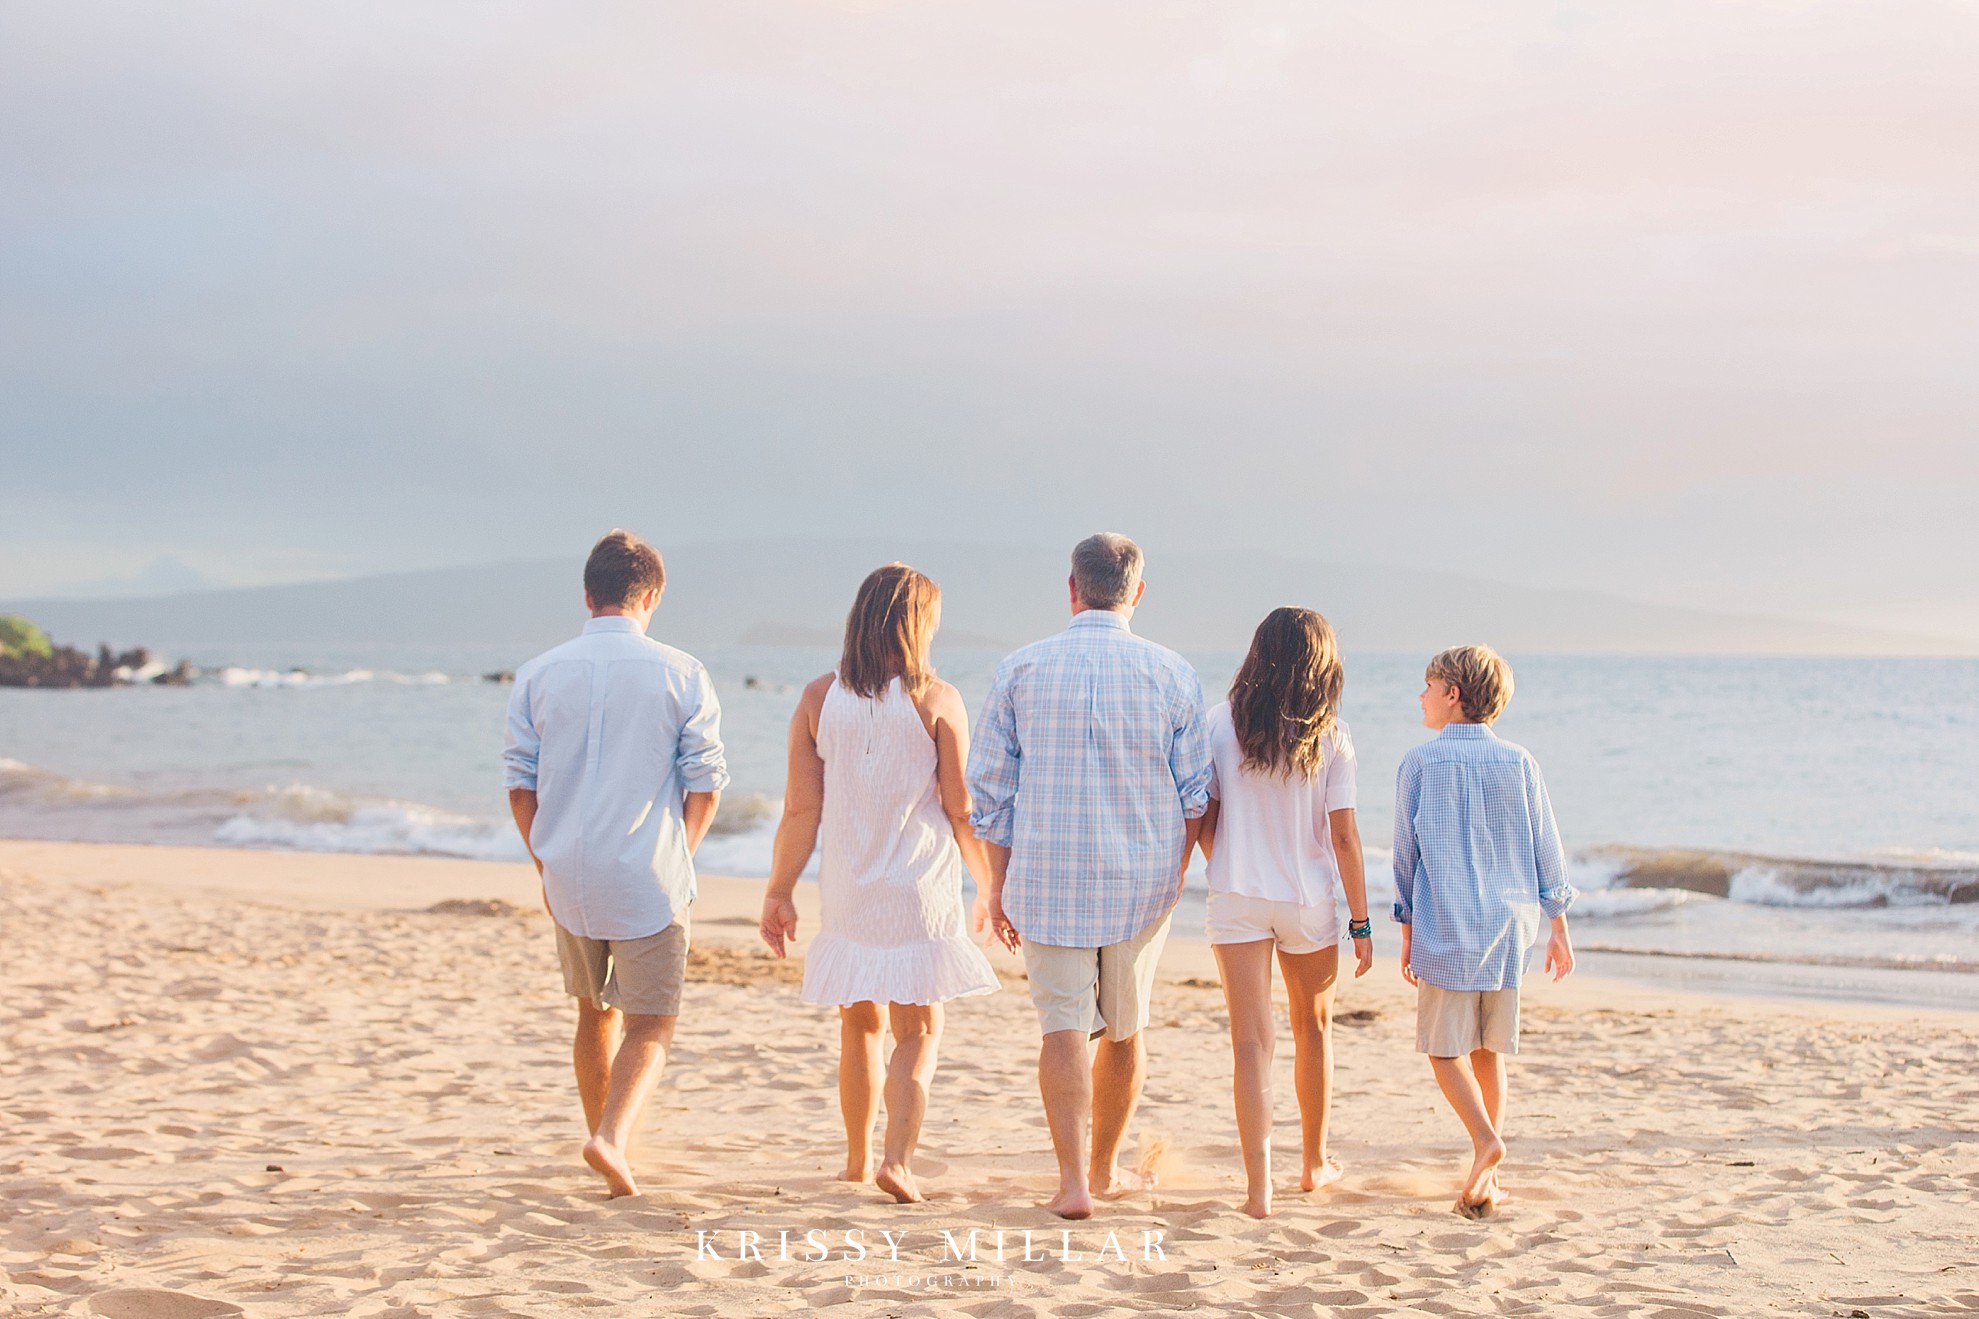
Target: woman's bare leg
x=1246, y=972
x=909, y=1075
x=1309, y=981
x=859, y=1051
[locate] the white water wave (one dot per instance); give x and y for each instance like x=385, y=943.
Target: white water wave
x=233, y=676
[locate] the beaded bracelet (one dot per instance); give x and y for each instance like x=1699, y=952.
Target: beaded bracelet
x=1360, y=929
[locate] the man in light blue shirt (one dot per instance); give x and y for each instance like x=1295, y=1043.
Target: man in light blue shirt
x=1089, y=776
x=614, y=768
x=1478, y=865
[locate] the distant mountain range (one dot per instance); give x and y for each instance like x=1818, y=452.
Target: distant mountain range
x=796, y=592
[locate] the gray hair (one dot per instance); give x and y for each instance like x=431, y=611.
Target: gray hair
x=1106, y=568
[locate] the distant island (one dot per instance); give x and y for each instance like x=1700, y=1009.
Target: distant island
x=28, y=658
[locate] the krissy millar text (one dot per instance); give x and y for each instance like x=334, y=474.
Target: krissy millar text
x=796, y=1245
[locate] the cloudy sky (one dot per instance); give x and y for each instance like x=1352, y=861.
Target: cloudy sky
x=1679, y=301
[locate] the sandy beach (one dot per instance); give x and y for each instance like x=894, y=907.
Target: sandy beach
x=289, y=1084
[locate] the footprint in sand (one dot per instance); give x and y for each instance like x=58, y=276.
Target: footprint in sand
x=156, y=1303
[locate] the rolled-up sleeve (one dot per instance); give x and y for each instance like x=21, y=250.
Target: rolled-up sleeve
x=1408, y=850
x=702, y=763
x=1556, y=893
x=995, y=762
x=523, y=744
x=1188, y=752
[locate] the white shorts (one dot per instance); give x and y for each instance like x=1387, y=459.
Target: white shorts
x=1294, y=927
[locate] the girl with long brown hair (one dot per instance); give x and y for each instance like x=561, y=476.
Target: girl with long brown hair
x=1281, y=842
x=877, y=750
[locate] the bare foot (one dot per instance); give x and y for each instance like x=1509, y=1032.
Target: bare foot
x=1482, y=1180
x=1328, y=1172
x=1122, y=1183
x=1074, y=1205
x=897, y=1182
x=1258, y=1205
x=856, y=1172
x=609, y=1161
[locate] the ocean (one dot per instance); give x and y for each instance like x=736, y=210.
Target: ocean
x=1792, y=826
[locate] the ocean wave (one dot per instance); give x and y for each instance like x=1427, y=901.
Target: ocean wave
x=379, y=827
x=300, y=817
x=1603, y=903
x=1884, y=880
x=1616, y=881
x=234, y=676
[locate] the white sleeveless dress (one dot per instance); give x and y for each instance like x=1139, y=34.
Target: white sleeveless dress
x=889, y=873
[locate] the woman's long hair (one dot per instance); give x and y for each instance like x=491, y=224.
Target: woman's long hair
x=1285, y=699
x=888, y=632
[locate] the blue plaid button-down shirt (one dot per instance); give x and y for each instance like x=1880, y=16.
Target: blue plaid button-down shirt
x=1089, y=755
x=1478, y=861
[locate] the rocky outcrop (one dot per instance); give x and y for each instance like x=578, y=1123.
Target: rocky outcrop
x=29, y=659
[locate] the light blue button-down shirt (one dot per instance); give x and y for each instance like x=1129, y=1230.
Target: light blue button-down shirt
x=612, y=730
x=1090, y=754
x=1478, y=861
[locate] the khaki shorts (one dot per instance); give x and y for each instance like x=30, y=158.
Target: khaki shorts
x=639, y=976
x=1451, y=1023
x=1100, y=991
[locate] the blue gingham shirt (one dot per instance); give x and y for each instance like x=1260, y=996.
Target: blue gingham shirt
x=1478, y=861
x=1091, y=753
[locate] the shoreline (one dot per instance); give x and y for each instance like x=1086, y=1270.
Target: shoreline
x=726, y=911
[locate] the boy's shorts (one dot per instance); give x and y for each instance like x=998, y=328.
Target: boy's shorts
x=639, y=976
x=1101, y=991
x=1451, y=1023
x=1294, y=927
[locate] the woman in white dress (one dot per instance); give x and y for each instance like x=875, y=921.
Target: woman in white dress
x=877, y=752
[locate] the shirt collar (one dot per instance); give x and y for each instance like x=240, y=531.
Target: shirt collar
x=1100, y=618
x=612, y=623
x=1467, y=730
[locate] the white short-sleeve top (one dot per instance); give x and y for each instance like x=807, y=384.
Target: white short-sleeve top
x=1272, y=837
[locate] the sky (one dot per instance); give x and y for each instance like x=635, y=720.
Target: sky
x=1675, y=301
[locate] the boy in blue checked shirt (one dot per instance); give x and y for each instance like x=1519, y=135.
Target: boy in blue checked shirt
x=1478, y=864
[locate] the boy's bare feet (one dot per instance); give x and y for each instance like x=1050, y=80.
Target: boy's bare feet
x=1479, y=1185
x=1491, y=1202
x=1074, y=1205
x=1327, y=1173
x=609, y=1161
x=897, y=1182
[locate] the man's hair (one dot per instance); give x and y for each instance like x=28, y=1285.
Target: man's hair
x=1482, y=678
x=1106, y=568
x=888, y=632
x=1285, y=699
x=622, y=568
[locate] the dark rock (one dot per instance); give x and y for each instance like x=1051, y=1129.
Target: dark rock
x=44, y=665
x=179, y=676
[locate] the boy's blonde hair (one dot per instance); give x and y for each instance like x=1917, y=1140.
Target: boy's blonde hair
x=1481, y=676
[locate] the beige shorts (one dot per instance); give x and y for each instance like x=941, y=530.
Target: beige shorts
x=1293, y=927
x=1101, y=991
x=1451, y=1023
x=639, y=976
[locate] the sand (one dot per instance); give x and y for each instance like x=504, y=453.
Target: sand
x=236, y=1082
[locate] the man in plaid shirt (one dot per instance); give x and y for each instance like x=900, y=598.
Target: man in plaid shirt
x=1089, y=775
